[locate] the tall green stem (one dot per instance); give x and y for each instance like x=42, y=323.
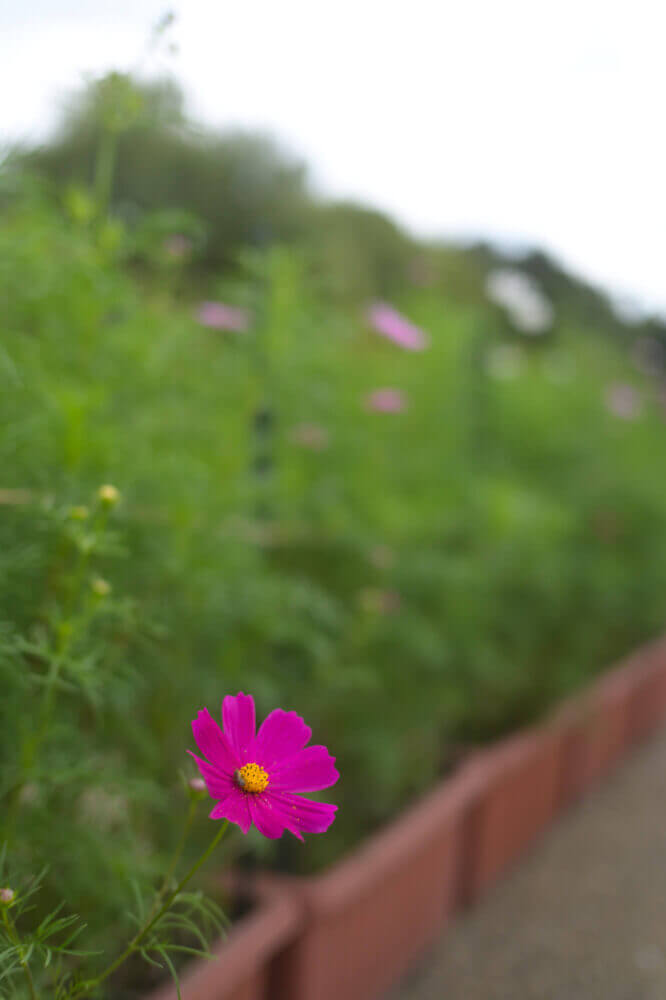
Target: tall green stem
x=12, y=933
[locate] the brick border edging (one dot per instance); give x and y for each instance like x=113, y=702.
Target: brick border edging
x=483, y=817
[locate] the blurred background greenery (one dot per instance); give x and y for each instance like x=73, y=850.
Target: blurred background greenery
x=413, y=583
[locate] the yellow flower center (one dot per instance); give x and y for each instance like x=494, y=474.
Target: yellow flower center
x=251, y=778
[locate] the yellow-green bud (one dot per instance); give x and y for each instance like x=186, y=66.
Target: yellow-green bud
x=79, y=513
x=100, y=587
x=108, y=495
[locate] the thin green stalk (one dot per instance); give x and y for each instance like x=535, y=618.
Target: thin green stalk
x=178, y=851
x=153, y=918
x=15, y=939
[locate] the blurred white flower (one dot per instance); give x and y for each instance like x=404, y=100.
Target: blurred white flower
x=623, y=401
x=101, y=809
x=30, y=794
x=505, y=361
x=528, y=308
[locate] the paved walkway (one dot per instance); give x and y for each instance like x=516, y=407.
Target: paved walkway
x=582, y=917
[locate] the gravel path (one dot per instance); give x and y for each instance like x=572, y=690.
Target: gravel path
x=583, y=917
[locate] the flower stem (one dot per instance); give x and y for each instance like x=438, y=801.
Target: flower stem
x=154, y=917
x=178, y=851
x=13, y=936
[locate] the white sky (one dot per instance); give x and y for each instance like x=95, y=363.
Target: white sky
x=529, y=121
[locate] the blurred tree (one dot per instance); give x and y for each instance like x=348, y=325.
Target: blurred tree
x=360, y=252
x=241, y=185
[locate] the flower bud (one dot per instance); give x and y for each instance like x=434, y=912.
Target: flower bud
x=7, y=896
x=79, y=513
x=197, y=784
x=100, y=587
x=108, y=495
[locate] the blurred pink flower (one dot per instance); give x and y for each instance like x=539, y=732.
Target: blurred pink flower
x=386, y=401
x=311, y=436
x=177, y=245
x=379, y=602
x=389, y=323
x=219, y=316
x=623, y=401
x=258, y=777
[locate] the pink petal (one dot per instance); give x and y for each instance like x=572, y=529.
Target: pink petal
x=280, y=735
x=213, y=743
x=301, y=815
x=234, y=808
x=239, y=722
x=306, y=771
x=265, y=817
x=218, y=784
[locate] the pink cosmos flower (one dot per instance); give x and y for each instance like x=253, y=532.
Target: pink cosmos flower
x=218, y=316
x=386, y=401
x=258, y=778
x=389, y=323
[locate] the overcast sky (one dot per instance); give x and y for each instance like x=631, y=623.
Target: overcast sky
x=529, y=121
